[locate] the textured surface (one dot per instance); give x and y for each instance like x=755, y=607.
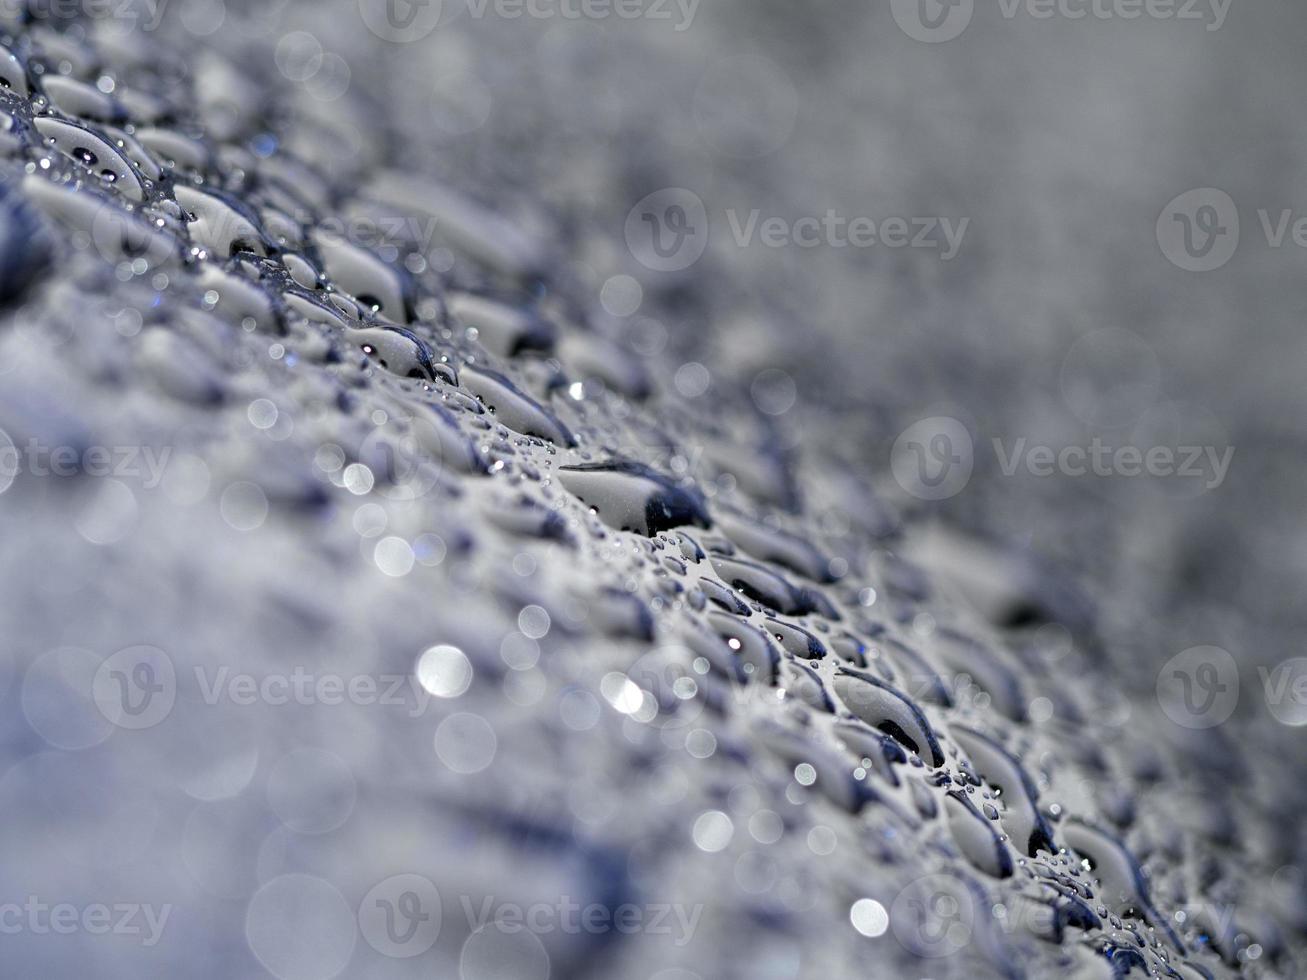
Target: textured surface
x=419, y=565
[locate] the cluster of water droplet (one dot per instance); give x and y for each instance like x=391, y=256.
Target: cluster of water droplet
x=657, y=657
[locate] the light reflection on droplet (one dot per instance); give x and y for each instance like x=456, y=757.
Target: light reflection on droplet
x=244, y=506
x=579, y=710
x=621, y=295
x=329, y=458
x=332, y=81
x=713, y=831
x=109, y=515
x=869, y=917
x=466, y=743
x=312, y=791
x=298, y=55
x=534, y=622
x=300, y=928
x=701, y=743
x=766, y=827
x=621, y=692
x=493, y=953
x=822, y=840
x=1040, y=710
x=429, y=549
x=202, y=17
x=773, y=391
x=394, y=557
x=262, y=413
x=358, y=479
x=445, y=671
x=692, y=379
x=370, y=520
x=519, y=652
x=58, y=699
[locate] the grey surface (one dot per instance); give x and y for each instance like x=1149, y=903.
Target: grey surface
x=668, y=683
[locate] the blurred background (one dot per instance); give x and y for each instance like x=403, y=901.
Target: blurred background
x=1060, y=139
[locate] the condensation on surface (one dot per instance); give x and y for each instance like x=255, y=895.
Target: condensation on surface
x=645, y=649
